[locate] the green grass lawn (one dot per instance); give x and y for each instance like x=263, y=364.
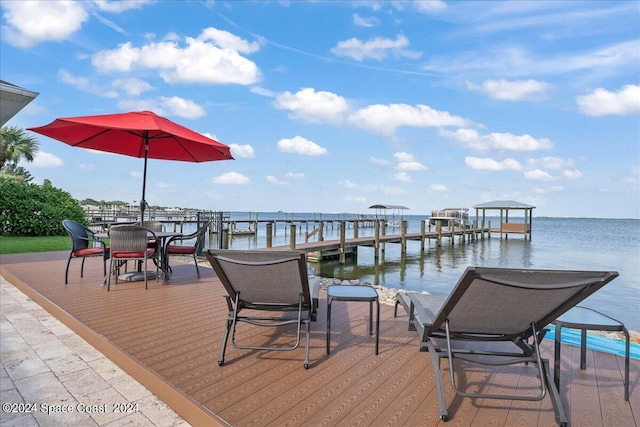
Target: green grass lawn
x=18, y=245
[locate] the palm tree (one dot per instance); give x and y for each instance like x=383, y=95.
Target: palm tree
x=16, y=145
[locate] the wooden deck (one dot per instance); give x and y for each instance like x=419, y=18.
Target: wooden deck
x=168, y=337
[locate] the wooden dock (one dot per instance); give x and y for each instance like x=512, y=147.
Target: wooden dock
x=168, y=336
x=345, y=247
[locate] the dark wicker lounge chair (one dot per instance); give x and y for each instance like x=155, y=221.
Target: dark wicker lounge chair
x=272, y=281
x=499, y=304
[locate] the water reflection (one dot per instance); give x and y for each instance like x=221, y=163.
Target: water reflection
x=557, y=243
x=436, y=269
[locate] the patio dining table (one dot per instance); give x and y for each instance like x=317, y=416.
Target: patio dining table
x=163, y=236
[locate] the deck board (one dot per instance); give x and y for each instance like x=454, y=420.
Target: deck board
x=168, y=338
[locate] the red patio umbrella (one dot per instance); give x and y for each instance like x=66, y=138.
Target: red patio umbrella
x=141, y=134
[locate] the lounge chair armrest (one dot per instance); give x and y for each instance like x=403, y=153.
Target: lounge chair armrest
x=420, y=314
x=426, y=307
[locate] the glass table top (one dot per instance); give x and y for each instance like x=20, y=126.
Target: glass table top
x=587, y=317
x=351, y=291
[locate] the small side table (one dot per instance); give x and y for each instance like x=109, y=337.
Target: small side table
x=354, y=293
x=587, y=319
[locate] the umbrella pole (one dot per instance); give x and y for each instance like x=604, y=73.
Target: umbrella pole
x=143, y=202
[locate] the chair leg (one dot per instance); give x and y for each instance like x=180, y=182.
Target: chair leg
x=195, y=259
x=66, y=273
x=111, y=271
x=626, y=363
x=82, y=267
x=561, y=418
x=225, y=338
x=146, y=286
x=306, y=346
x=435, y=362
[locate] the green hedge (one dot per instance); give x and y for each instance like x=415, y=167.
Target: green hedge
x=35, y=210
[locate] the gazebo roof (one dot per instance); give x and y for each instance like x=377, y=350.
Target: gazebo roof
x=503, y=204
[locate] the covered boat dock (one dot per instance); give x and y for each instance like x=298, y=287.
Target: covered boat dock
x=397, y=213
x=506, y=227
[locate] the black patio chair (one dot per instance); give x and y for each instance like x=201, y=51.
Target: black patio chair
x=190, y=244
x=84, y=244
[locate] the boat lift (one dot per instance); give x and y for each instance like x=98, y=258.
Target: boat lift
x=397, y=213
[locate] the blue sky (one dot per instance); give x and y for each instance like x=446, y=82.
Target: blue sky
x=335, y=106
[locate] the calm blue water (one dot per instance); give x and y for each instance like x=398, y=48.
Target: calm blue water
x=557, y=243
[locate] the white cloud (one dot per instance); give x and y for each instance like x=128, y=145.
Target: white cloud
x=438, y=188
x=385, y=119
x=214, y=57
x=550, y=163
x=538, y=175
x=87, y=167
x=33, y=22
x=572, y=174
x=210, y=136
x=430, y=6
x=162, y=106
x=183, y=107
x=402, y=156
x=312, y=106
x=295, y=175
x=84, y=84
x=131, y=85
x=121, y=5
x=478, y=163
x=634, y=175
x=508, y=60
x=497, y=141
x=411, y=166
x=507, y=141
x=258, y=90
x=365, y=22
x=349, y=185
x=245, y=151
x=230, y=178
x=402, y=176
x=44, y=160
x=408, y=162
x=519, y=90
x=470, y=138
x=136, y=174
x=602, y=102
x=378, y=48
x=290, y=175
x=142, y=105
x=378, y=161
x=273, y=180
x=300, y=145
